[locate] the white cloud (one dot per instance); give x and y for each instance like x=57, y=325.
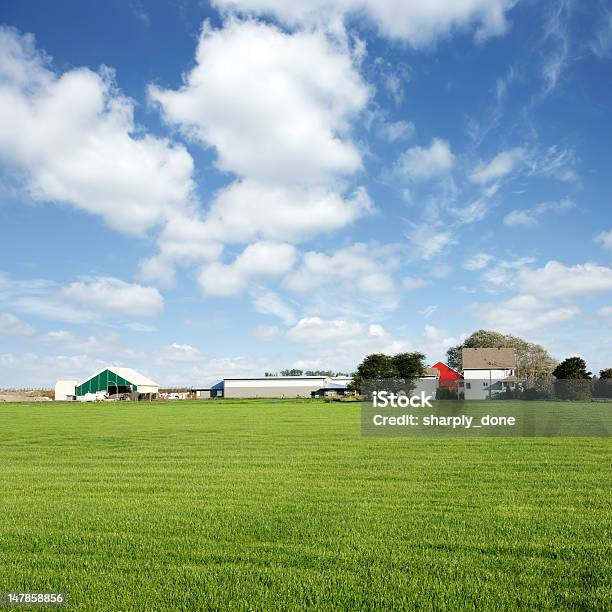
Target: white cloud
x=429, y=310
x=10, y=325
x=188, y=239
x=270, y=303
x=249, y=210
x=356, y=266
x=139, y=12
x=602, y=41
x=177, y=353
x=605, y=311
x=314, y=330
x=440, y=270
x=529, y=217
x=221, y=280
x=605, y=239
x=301, y=114
x=419, y=163
x=413, y=282
x=520, y=218
x=115, y=297
x=556, y=280
x=396, y=130
x=83, y=301
x=470, y=213
x=35, y=371
x=210, y=370
x=522, y=313
x=260, y=259
x=554, y=162
x=156, y=270
x=556, y=43
x=478, y=261
x=102, y=343
x=340, y=343
x=292, y=188
x=428, y=240
x=418, y=23
x=505, y=272
x=501, y=165
x=140, y=327
x=266, y=332
x=50, y=306
x=436, y=342
x=74, y=139
x=393, y=84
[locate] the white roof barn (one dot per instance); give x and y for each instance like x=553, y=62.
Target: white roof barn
x=113, y=380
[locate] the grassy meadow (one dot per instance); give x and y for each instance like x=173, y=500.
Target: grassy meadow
x=284, y=505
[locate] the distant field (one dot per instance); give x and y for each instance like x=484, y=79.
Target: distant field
x=282, y=504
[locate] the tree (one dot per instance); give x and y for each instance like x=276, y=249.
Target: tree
x=572, y=368
x=573, y=380
x=453, y=357
x=292, y=372
x=409, y=365
x=378, y=366
x=603, y=387
x=533, y=361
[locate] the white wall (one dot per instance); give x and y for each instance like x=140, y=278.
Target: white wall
x=479, y=381
x=64, y=388
x=273, y=387
x=484, y=374
x=147, y=389
x=272, y=381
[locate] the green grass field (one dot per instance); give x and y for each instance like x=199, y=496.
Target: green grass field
x=283, y=504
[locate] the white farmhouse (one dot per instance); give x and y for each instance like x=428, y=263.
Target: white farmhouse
x=484, y=367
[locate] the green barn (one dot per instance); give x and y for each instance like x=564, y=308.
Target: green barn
x=114, y=381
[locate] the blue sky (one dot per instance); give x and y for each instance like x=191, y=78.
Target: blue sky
x=200, y=190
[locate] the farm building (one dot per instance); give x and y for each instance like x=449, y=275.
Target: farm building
x=449, y=377
x=107, y=382
x=65, y=390
x=215, y=390
x=488, y=371
x=272, y=387
x=428, y=383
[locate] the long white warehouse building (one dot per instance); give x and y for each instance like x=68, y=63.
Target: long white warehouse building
x=273, y=387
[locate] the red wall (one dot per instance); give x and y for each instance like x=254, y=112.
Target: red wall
x=448, y=376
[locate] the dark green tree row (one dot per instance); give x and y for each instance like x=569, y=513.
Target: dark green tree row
x=377, y=366
x=297, y=372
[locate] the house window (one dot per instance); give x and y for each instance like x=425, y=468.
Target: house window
x=468, y=385
x=484, y=384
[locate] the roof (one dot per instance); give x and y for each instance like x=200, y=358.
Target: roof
x=441, y=363
x=136, y=378
x=488, y=358
x=333, y=386
x=279, y=378
x=431, y=372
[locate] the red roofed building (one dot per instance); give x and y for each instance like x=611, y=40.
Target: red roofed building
x=448, y=376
